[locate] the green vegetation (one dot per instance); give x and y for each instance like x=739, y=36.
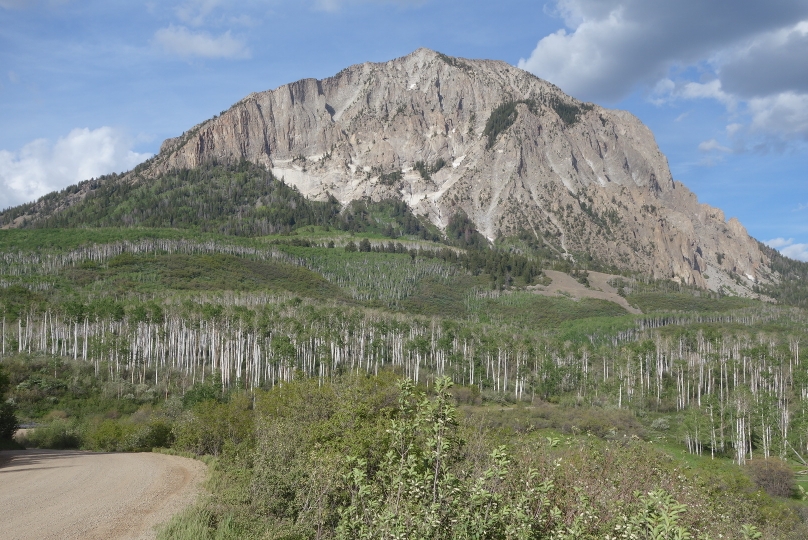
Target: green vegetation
x=792, y=287
x=391, y=178
x=454, y=62
x=426, y=171
x=504, y=115
x=569, y=112
x=500, y=120
x=654, y=302
x=8, y=417
x=368, y=456
x=410, y=380
x=241, y=199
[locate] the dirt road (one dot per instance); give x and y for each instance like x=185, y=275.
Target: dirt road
x=84, y=495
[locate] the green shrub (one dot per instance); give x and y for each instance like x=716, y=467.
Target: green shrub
x=8, y=418
x=772, y=475
x=106, y=437
x=8, y=421
x=156, y=434
x=210, y=425
x=201, y=392
x=57, y=435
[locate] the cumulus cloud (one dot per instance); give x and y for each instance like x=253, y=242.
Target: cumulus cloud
x=185, y=43
x=789, y=248
x=41, y=167
x=712, y=89
x=777, y=243
x=334, y=5
x=711, y=145
x=194, y=12
x=784, y=113
x=770, y=63
x=614, y=44
x=754, y=58
x=796, y=251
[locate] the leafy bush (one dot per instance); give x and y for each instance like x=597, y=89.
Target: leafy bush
x=210, y=426
x=772, y=475
x=155, y=434
x=8, y=418
x=57, y=435
x=8, y=421
x=107, y=436
x=427, y=487
x=200, y=392
x=310, y=428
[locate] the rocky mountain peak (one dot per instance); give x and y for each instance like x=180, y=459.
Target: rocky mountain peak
x=508, y=149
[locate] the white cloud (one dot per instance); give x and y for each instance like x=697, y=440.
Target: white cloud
x=785, y=114
x=335, y=5
x=12, y=4
x=749, y=59
x=712, y=89
x=769, y=63
x=194, y=12
x=182, y=42
x=612, y=45
x=41, y=167
x=734, y=128
x=590, y=62
x=789, y=248
x=779, y=242
x=796, y=251
x=23, y=4
x=712, y=144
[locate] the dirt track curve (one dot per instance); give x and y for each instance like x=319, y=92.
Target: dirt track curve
x=84, y=495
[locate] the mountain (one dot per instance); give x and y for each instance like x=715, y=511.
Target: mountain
x=445, y=135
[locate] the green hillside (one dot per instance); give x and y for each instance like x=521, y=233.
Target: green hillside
x=219, y=313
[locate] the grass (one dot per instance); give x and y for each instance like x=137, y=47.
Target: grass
x=655, y=302
x=583, y=330
x=209, y=273
x=435, y=297
x=530, y=309
x=602, y=422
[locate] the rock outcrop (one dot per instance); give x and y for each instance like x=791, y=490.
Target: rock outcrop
x=512, y=151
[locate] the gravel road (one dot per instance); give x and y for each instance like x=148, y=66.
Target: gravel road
x=85, y=495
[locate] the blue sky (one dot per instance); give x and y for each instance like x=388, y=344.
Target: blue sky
x=91, y=87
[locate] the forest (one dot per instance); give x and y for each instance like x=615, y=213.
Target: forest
x=412, y=381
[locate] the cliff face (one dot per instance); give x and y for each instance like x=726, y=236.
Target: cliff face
x=582, y=178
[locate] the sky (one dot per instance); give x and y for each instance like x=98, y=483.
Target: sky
x=91, y=87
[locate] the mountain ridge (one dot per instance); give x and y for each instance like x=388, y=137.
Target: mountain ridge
x=508, y=149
